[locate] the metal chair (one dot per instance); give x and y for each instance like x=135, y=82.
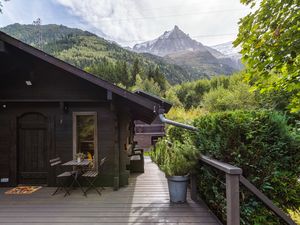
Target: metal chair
x=91, y=177
x=62, y=177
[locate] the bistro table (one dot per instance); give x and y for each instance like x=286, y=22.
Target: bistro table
x=74, y=162
x=78, y=167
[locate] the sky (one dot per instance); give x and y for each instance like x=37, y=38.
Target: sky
x=129, y=22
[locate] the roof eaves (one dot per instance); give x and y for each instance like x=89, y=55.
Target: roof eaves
x=78, y=72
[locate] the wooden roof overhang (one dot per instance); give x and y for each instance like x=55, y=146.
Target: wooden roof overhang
x=141, y=108
x=162, y=102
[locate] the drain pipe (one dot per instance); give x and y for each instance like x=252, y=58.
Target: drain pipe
x=163, y=119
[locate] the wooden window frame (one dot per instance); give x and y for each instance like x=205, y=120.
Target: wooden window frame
x=94, y=114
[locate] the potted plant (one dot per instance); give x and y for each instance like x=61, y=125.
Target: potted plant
x=80, y=157
x=176, y=160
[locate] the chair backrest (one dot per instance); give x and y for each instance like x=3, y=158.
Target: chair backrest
x=55, y=162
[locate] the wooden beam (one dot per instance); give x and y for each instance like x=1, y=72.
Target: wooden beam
x=233, y=199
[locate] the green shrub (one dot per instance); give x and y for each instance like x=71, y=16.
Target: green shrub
x=264, y=146
x=159, y=153
x=237, y=96
x=175, y=159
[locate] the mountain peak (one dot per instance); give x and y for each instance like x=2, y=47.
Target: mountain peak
x=170, y=42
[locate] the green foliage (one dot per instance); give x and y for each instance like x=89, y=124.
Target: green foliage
x=237, y=96
x=135, y=70
x=171, y=96
x=295, y=215
x=182, y=115
x=159, y=153
x=52, y=34
x=218, y=94
x=115, y=72
x=264, y=146
x=147, y=85
x=270, y=47
x=175, y=159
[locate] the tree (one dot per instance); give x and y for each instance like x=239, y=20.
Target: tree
x=235, y=97
x=148, y=85
x=2, y=5
x=269, y=38
x=135, y=70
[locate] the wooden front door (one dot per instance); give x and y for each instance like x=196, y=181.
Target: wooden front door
x=32, y=149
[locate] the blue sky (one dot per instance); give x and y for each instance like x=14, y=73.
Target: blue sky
x=133, y=21
x=50, y=12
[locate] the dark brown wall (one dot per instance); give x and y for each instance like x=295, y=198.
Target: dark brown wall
x=59, y=133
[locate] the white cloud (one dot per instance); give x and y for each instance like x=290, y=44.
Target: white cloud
x=133, y=21
x=108, y=16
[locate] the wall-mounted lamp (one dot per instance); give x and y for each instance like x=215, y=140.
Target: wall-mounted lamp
x=28, y=83
x=4, y=106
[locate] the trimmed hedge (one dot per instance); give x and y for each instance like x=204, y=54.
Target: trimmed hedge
x=263, y=145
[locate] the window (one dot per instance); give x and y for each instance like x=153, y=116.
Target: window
x=85, y=134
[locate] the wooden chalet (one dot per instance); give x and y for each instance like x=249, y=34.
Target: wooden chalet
x=50, y=108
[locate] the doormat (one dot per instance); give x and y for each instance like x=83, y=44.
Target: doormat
x=23, y=190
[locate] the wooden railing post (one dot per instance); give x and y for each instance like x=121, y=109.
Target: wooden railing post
x=193, y=187
x=233, y=199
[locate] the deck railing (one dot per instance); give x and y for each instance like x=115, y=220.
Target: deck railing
x=233, y=179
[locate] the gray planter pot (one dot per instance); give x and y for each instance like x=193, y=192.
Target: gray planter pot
x=178, y=188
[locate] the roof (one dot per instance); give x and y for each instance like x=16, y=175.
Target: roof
x=147, y=104
x=162, y=102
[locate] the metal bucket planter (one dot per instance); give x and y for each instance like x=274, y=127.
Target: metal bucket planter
x=178, y=188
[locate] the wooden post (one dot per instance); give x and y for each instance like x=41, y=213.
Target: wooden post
x=193, y=188
x=232, y=199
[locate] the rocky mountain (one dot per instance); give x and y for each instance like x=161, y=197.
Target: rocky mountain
x=229, y=51
x=170, y=42
x=178, y=47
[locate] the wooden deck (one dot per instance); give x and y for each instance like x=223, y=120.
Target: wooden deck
x=144, y=201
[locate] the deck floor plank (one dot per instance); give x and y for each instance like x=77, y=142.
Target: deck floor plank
x=144, y=201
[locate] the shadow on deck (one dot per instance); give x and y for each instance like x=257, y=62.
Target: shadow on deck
x=144, y=201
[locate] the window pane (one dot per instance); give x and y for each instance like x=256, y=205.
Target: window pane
x=85, y=134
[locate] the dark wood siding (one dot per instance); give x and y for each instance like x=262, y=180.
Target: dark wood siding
x=60, y=134
x=5, y=144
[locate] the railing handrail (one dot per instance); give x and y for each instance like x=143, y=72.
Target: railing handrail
x=233, y=178
x=225, y=167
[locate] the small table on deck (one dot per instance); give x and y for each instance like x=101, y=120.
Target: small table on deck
x=74, y=162
x=78, y=167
